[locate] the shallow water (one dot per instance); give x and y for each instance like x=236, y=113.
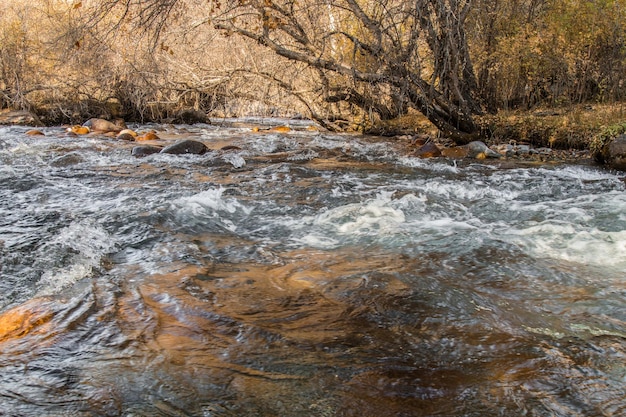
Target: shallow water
x=305, y=273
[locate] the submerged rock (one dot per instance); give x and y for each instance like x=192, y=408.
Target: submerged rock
x=145, y=150
x=187, y=146
x=148, y=136
x=66, y=160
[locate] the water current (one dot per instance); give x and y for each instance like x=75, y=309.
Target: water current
x=305, y=274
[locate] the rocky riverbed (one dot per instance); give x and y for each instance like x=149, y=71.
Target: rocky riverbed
x=176, y=140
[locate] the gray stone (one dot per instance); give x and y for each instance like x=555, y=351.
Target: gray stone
x=187, y=146
x=479, y=150
x=67, y=160
x=145, y=150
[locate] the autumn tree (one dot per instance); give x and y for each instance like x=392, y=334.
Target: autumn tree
x=531, y=53
x=382, y=58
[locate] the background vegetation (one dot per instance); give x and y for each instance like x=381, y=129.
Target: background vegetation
x=468, y=66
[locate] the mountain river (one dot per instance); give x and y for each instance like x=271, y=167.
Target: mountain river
x=305, y=274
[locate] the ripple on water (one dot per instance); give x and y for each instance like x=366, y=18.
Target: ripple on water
x=353, y=281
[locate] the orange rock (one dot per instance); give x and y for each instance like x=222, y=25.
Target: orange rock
x=21, y=321
x=281, y=129
x=79, y=130
x=35, y=132
x=148, y=136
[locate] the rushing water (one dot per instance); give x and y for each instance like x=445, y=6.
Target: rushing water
x=305, y=274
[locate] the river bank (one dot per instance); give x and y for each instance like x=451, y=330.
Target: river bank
x=556, y=135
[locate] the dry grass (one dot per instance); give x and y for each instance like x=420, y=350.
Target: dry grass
x=572, y=127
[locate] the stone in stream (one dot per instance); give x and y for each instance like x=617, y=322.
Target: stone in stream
x=476, y=150
x=479, y=150
x=127, y=135
x=148, y=136
x=66, y=160
x=35, y=132
x=145, y=150
x=187, y=146
x=104, y=126
x=428, y=150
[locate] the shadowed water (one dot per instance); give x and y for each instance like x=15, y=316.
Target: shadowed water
x=305, y=274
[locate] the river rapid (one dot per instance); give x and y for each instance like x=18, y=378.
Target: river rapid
x=305, y=274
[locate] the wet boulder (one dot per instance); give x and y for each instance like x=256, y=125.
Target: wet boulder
x=127, y=135
x=428, y=150
x=479, y=150
x=104, y=126
x=145, y=150
x=35, y=132
x=187, y=146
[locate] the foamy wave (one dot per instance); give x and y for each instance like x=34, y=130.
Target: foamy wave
x=209, y=204
x=375, y=216
x=566, y=241
x=88, y=243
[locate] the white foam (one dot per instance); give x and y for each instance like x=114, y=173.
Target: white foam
x=569, y=242
x=236, y=160
x=89, y=242
x=374, y=216
x=211, y=204
x=428, y=164
x=211, y=199
x=455, y=190
x=377, y=218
